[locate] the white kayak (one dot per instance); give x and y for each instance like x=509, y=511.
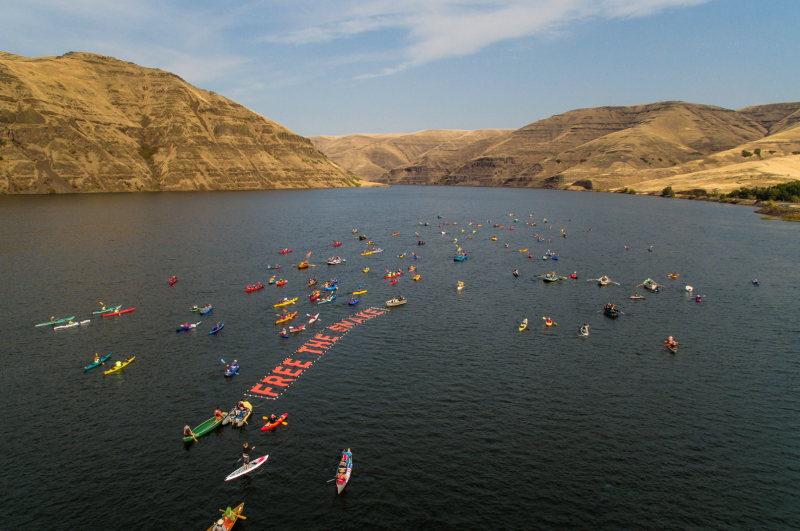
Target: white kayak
x=313, y=318
x=71, y=325
x=246, y=469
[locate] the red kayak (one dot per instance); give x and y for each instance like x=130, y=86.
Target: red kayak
x=393, y=282
x=248, y=290
x=172, y=281
x=314, y=296
x=337, y=244
x=285, y=251
x=573, y=275
x=281, y=283
x=269, y=426
x=118, y=313
x=392, y=275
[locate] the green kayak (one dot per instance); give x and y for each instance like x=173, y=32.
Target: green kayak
x=57, y=321
x=208, y=426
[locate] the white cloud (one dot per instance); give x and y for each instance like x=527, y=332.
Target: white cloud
x=437, y=29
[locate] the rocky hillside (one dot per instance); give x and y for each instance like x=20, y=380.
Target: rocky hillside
x=613, y=147
x=88, y=123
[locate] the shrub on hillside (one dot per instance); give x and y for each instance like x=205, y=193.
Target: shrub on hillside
x=668, y=192
x=746, y=153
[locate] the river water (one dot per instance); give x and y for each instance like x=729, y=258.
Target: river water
x=455, y=419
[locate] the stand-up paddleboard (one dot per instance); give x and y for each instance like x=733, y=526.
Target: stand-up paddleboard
x=246, y=469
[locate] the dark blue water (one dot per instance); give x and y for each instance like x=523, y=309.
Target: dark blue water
x=455, y=419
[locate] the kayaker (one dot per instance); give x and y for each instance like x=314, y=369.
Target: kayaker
x=240, y=406
x=218, y=414
x=273, y=419
x=755, y=282
x=96, y=358
x=246, y=454
x=671, y=342
x=119, y=364
x=219, y=526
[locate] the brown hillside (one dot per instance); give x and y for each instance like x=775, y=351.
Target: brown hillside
x=83, y=123
x=370, y=156
x=774, y=117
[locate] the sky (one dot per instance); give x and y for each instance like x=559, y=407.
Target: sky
x=332, y=67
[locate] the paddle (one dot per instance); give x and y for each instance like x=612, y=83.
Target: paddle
x=236, y=515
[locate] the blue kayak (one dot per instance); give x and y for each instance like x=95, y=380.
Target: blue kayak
x=233, y=369
x=353, y=302
x=207, y=309
x=555, y=258
x=330, y=288
x=323, y=301
x=215, y=330
x=95, y=364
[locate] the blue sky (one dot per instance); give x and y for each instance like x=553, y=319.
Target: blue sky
x=383, y=66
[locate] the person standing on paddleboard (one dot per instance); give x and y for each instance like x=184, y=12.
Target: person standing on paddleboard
x=246, y=449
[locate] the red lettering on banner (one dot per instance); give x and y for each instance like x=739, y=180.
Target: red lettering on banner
x=364, y=315
x=275, y=380
x=318, y=344
x=304, y=349
x=297, y=363
x=359, y=321
x=337, y=328
x=346, y=323
x=287, y=372
x=265, y=391
x=374, y=313
x=330, y=339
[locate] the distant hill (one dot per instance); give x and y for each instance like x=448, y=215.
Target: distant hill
x=644, y=146
x=85, y=123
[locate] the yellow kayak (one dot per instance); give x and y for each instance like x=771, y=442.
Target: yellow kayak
x=366, y=270
x=287, y=303
x=494, y=239
x=367, y=253
x=359, y=292
x=523, y=250
x=287, y=317
x=416, y=277
x=524, y=325
x=124, y=364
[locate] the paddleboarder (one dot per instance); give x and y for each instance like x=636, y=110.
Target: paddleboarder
x=246, y=449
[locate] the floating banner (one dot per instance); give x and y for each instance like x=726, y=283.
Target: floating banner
x=284, y=375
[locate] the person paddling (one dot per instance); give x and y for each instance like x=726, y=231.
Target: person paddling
x=219, y=526
x=187, y=432
x=218, y=414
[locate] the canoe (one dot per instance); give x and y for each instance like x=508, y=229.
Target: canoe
x=118, y=313
x=206, y=309
x=359, y=292
x=524, y=325
x=353, y=302
x=314, y=296
x=206, y=427
x=246, y=469
x=230, y=517
x=287, y=317
x=344, y=469
x=395, y=302
x=65, y=319
x=523, y=250
x=95, y=364
x=285, y=251
x=269, y=426
x=611, y=313
x=285, y=303
x=302, y=265
x=248, y=290
x=392, y=275
x=230, y=371
x=124, y=364
x=312, y=282
x=107, y=310
x=213, y=331
x=71, y=325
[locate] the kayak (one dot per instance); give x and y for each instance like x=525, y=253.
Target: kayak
x=636, y=297
x=230, y=371
x=107, y=310
x=230, y=517
x=416, y=277
x=206, y=427
x=71, y=325
x=312, y=282
x=573, y=275
x=100, y=362
x=172, y=281
x=269, y=426
x=206, y=309
x=392, y=275
x=293, y=330
x=337, y=244
x=187, y=327
x=124, y=364
x=329, y=299
x=241, y=419
x=359, y=292
x=65, y=319
x=285, y=303
x=524, y=325
x=214, y=330
x=256, y=288
x=393, y=282
x=246, y=469
x=282, y=282
x=274, y=267
x=366, y=270
x=285, y=251
x=353, y=302
x=313, y=318
x=287, y=317
x=674, y=349
x=118, y=313
x=611, y=312
x=302, y=265
x=314, y=296
x=344, y=471
x=330, y=288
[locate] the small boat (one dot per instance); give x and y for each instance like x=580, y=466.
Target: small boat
x=610, y=310
x=314, y=296
x=232, y=369
x=71, y=324
x=651, y=285
x=416, y=277
x=287, y=317
x=312, y=281
x=398, y=301
x=285, y=302
x=113, y=314
x=393, y=275
x=366, y=270
x=216, y=328
x=672, y=348
x=554, y=257
x=303, y=265
x=284, y=334
x=603, y=281
x=254, y=288
x=360, y=292
x=460, y=257
x=636, y=297
x=335, y=261
x=362, y=237
x=194, y=308
x=294, y=330
x=355, y=231
x=395, y=234
x=121, y=366
x=187, y=326
x=337, y=244
x=549, y=278
x=674, y=275
x=584, y=331
x=515, y=273
x=329, y=299
x=285, y=251
x=272, y=280
x=523, y=250
x=206, y=309
x=281, y=283
x=230, y=517
x=56, y=321
x=688, y=289
x=172, y=281
x=206, y=427
x=106, y=310
x=101, y=361
x=460, y=286
x=353, y=302
x=421, y=242
x=273, y=267
x=574, y=275
x=494, y=238
x=269, y=426
x=393, y=282
x=239, y=418
x=344, y=470
x=313, y=319
x=523, y=325
x=332, y=287
x=246, y=469
x=549, y=322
